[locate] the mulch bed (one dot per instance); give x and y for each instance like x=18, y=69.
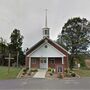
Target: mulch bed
x=49, y=76
x=28, y=75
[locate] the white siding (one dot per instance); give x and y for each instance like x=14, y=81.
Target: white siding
x=50, y=51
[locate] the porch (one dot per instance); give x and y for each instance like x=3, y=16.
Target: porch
x=47, y=62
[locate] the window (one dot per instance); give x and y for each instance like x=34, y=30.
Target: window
x=45, y=46
x=43, y=60
x=46, y=32
x=33, y=61
x=52, y=61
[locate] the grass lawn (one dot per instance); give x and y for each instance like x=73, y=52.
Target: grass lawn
x=12, y=74
x=83, y=72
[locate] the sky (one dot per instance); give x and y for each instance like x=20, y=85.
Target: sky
x=29, y=17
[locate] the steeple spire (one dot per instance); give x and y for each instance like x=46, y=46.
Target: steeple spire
x=45, y=29
x=45, y=17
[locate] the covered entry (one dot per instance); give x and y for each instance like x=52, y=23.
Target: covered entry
x=43, y=63
x=38, y=62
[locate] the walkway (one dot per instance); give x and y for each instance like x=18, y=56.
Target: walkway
x=40, y=74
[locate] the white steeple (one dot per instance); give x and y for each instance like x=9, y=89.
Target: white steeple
x=45, y=29
x=45, y=17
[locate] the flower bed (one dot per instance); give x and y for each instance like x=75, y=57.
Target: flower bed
x=28, y=72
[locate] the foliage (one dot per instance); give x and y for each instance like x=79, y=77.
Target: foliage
x=49, y=69
x=81, y=58
x=60, y=75
x=21, y=58
x=25, y=70
x=16, y=40
x=52, y=70
x=34, y=70
x=74, y=37
x=15, y=46
x=68, y=74
x=3, y=51
x=73, y=74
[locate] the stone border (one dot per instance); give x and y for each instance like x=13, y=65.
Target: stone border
x=19, y=75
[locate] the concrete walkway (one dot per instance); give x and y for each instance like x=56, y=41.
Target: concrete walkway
x=40, y=74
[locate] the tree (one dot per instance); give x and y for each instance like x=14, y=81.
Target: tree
x=21, y=58
x=74, y=37
x=16, y=42
x=3, y=51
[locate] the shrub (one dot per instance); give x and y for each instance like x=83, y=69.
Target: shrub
x=34, y=70
x=24, y=70
x=66, y=70
x=73, y=74
x=51, y=74
x=27, y=68
x=52, y=70
x=23, y=73
x=29, y=73
x=60, y=75
x=68, y=74
x=49, y=69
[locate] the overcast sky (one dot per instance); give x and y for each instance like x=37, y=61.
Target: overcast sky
x=28, y=16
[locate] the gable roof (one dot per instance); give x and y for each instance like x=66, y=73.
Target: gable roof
x=57, y=46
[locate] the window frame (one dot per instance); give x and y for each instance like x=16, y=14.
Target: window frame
x=46, y=32
x=33, y=60
x=52, y=60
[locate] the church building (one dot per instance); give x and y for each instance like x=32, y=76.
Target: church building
x=47, y=53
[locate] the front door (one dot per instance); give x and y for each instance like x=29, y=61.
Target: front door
x=43, y=63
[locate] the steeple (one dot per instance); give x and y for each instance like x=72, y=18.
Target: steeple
x=45, y=17
x=46, y=29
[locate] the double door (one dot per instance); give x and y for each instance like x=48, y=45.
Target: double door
x=43, y=63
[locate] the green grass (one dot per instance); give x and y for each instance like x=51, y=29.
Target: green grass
x=83, y=72
x=11, y=75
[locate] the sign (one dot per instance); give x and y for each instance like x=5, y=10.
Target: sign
x=78, y=65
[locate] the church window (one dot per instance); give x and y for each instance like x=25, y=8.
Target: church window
x=33, y=61
x=46, y=32
x=52, y=61
x=45, y=46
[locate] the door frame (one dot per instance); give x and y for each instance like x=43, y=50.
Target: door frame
x=44, y=63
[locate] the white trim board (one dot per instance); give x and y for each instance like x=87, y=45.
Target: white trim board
x=50, y=51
